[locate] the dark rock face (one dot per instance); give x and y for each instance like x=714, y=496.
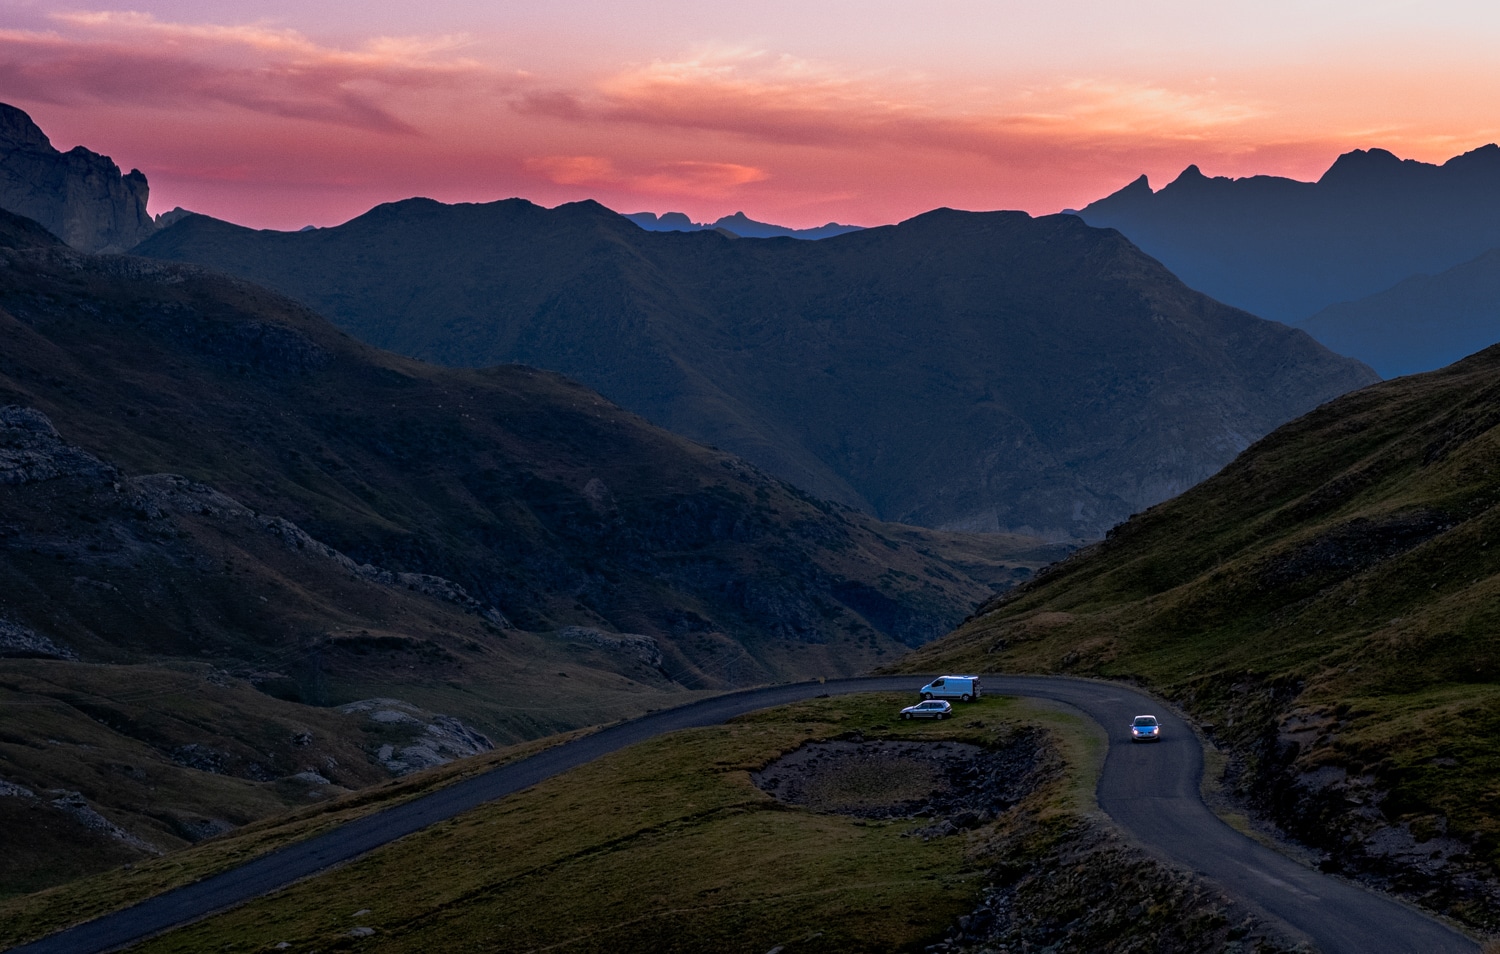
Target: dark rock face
x=1095, y=894
x=1354, y=827
x=80, y=196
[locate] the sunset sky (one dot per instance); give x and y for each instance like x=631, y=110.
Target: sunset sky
x=282, y=113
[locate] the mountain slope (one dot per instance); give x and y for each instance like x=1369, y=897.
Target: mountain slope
x=1422, y=323
x=974, y=371
x=1326, y=607
x=220, y=518
x=1285, y=249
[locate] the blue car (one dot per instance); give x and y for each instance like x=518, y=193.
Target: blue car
x=1145, y=728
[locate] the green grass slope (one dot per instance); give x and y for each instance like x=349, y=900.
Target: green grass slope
x=979, y=371
x=1329, y=607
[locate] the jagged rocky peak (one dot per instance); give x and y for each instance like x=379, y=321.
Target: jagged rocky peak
x=17, y=130
x=78, y=195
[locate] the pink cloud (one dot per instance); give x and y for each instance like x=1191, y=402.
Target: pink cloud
x=758, y=96
x=134, y=58
x=575, y=170
x=690, y=178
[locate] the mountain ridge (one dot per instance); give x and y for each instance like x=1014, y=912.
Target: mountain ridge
x=739, y=224
x=1420, y=323
x=1015, y=416
x=1284, y=248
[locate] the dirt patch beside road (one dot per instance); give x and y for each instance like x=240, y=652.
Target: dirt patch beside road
x=957, y=782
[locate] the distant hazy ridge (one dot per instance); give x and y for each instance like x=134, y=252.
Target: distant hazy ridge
x=1288, y=250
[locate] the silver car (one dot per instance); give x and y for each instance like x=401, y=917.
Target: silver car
x=931, y=709
x=1145, y=728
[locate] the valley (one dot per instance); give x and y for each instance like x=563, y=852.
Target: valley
x=904, y=847
x=261, y=579
x=220, y=514
x=1323, y=608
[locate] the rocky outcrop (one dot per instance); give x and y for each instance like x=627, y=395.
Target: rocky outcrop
x=31, y=450
x=74, y=804
x=79, y=195
x=18, y=641
x=430, y=739
x=644, y=648
x=1093, y=892
x=156, y=495
x=1346, y=814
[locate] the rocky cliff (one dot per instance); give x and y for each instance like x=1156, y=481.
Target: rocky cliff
x=80, y=196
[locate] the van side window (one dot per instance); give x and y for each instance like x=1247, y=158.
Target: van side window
x=937, y=682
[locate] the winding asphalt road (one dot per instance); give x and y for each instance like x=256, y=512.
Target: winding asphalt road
x=1150, y=791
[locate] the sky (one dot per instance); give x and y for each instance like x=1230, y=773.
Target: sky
x=284, y=113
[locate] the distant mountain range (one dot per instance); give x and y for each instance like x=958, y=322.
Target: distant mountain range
x=739, y=224
x=1285, y=249
x=960, y=370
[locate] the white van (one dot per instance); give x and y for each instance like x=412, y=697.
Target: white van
x=962, y=688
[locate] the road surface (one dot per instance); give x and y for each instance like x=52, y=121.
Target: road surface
x=1150, y=790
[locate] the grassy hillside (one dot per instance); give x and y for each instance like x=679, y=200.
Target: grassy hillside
x=976, y=371
x=1327, y=606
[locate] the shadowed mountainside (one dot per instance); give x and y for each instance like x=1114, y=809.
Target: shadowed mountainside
x=1326, y=606
x=962, y=370
x=1286, y=249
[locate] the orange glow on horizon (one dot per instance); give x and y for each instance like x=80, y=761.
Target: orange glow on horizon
x=270, y=126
